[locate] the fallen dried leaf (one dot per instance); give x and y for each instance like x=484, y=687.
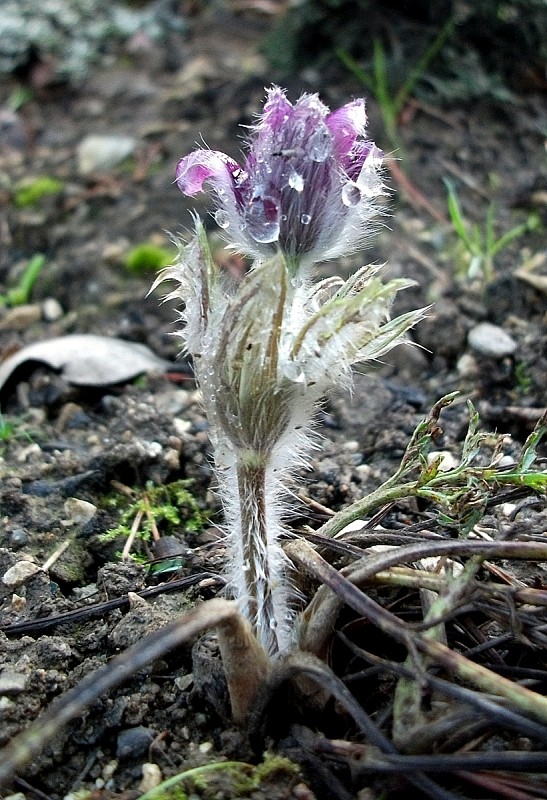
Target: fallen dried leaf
x=87, y=359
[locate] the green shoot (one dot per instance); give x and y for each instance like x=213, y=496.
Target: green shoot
x=461, y=494
x=20, y=294
x=480, y=244
x=148, y=257
x=19, y=97
x=393, y=101
x=31, y=193
x=11, y=430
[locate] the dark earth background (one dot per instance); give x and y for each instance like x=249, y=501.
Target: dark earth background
x=80, y=445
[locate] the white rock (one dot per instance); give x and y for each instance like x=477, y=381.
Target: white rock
x=19, y=573
x=17, y=796
x=447, y=460
x=151, y=777
x=467, y=365
x=52, y=310
x=12, y=682
x=79, y=512
x=101, y=153
x=491, y=340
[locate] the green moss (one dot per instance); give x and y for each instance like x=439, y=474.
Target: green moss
x=30, y=193
x=273, y=767
x=524, y=382
x=148, y=257
x=237, y=777
x=171, y=508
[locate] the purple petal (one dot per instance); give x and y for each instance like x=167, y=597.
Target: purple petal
x=346, y=124
x=207, y=165
x=276, y=109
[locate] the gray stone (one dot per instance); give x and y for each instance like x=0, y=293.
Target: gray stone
x=19, y=318
x=17, y=575
x=12, y=682
x=134, y=742
x=101, y=153
x=491, y=340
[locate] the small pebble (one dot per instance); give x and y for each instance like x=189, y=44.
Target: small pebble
x=447, y=460
x=72, y=416
x=151, y=777
x=101, y=153
x=467, y=365
x=19, y=537
x=171, y=459
x=79, y=512
x=20, y=318
x=303, y=792
x=19, y=573
x=29, y=453
x=491, y=340
x=52, y=310
x=109, y=769
x=183, y=682
x=352, y=446
x=182, y=426
x=12, y=682
x=18, y=603
x=134, y=742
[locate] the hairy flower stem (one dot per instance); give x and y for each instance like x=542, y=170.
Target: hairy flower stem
x=257, y=568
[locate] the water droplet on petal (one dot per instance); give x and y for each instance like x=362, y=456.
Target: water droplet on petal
x=305, y=219
x=296, y=181
x=319, y=145
x=262, y=218
x=351, y=194
x=265, y=232
x=293, y=372
x=222, y=219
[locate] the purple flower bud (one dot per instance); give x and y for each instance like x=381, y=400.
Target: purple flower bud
x=307, y=187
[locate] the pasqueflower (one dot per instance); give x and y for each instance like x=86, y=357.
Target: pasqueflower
x=307, y=187
x=268, y=349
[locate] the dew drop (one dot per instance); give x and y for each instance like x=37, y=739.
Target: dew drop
x=265, y=232
x=222, y=219
x=293, y=371
x=305, y=219
x=351, y=194
x=262, y=219
x=296, y=181
x=319, y=146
